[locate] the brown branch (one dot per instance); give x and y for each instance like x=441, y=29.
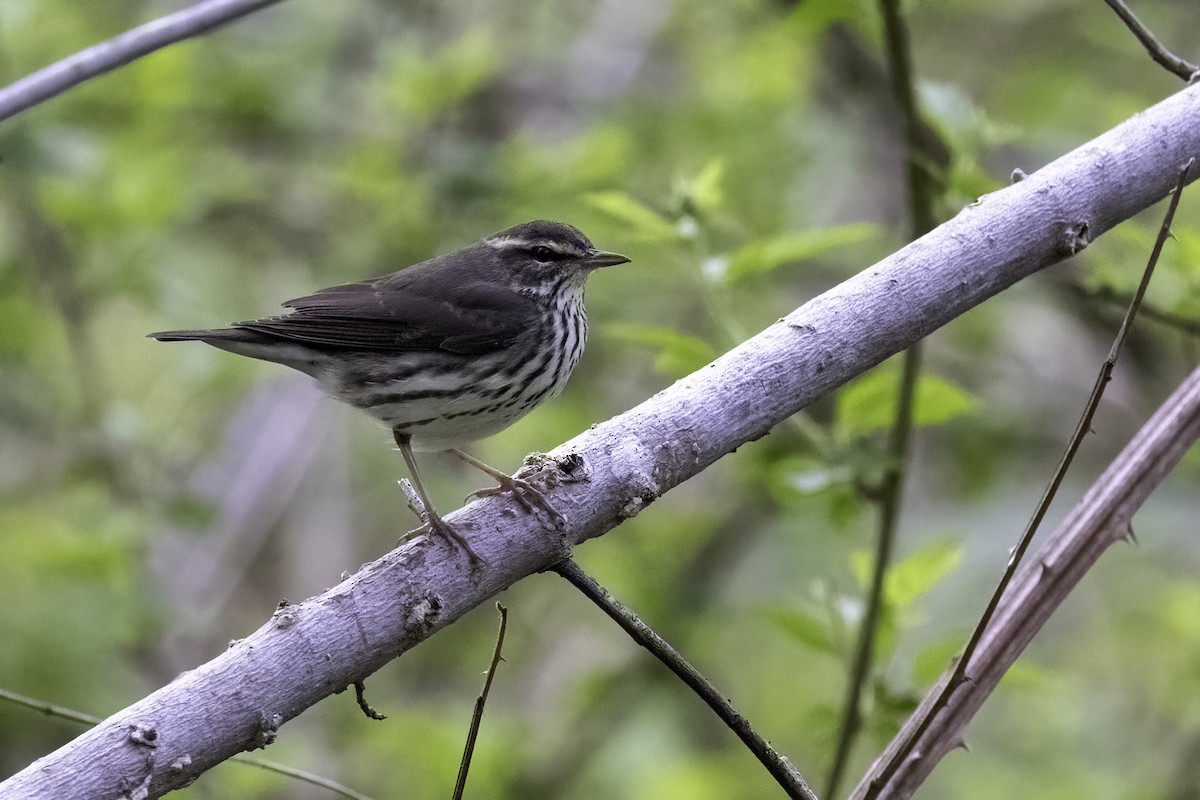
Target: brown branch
x=1099, y=520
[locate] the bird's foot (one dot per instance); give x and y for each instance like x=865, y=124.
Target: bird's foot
x=433, y=523
x=438, y=526
x=528, y=497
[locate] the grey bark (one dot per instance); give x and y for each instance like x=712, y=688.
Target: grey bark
x=120, y=50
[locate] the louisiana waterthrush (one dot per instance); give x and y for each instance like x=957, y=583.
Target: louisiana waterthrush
x=445, y=352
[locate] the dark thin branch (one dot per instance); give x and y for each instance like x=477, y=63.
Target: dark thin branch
x=959, y=675
x=780, y=768
x=120, y=50
x=1164, y=57
x=889, y=515
x=477, y=715
x=360, y=697
x=686, y=594
x=921, y=191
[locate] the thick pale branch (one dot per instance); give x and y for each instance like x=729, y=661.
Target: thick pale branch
x=611, y=472
x=120, y=50
x=1099, y=520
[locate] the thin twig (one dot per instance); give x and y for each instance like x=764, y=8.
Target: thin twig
x=49, y=709
x=958, y=677
x=1099, y=520
x=778, y=766
x=360, y=696
x=477, y=714
x=1158, y=52
x=920, y=202
x=120, y=50
x=302, y=775
x=688, y=593
x=61, y=712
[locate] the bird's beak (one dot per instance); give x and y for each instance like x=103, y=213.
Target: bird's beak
x=602, y=259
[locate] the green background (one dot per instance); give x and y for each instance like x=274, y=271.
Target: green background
x=158, y=500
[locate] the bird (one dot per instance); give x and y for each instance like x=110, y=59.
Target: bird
x=445, y=352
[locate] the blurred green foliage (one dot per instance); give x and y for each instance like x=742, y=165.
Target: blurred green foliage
x=157, y=501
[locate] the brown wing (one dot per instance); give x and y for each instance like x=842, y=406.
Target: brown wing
x=425, y=307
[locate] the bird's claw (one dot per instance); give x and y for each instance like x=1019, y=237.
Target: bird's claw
x=433, y=523
x=438, y=526
x=528, y=497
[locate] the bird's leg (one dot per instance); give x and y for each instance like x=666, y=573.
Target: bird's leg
x=528, y=496
x=432, y=520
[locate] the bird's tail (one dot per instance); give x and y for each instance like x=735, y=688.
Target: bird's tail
x=216, y=334
x=246, y=342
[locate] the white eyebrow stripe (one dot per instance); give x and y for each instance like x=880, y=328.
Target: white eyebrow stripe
x=516, y=243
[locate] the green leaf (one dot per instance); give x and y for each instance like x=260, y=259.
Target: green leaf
x=807, y=475
x=818, y=15
x=869, y=404
x=1025, y=675
x=889, y=708
x=935, y=659
x=1187, y=242
x=939, y=401
x=768, y=254
x=845, y=506
x=706, y=192
x=860, y=566
x=644, y=222
x=909, y=579
x=806, y=627
x=796, y=480
x=678, y=353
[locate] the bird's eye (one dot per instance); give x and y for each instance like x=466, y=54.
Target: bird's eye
x=544, y=254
